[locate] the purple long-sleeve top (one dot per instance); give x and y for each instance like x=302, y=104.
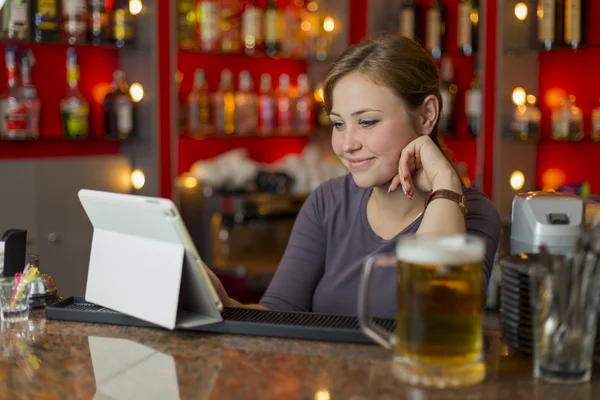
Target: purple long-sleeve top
x=331, y=239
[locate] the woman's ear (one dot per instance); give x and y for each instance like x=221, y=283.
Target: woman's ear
x=429, y=111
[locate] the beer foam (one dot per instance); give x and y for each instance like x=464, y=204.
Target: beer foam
x=450, y=250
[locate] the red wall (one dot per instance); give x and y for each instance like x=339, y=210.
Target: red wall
x=576, y=73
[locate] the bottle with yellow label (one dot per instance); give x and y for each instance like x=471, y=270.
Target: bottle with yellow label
x=74, y=107
x=44, y=16
x=122, y=23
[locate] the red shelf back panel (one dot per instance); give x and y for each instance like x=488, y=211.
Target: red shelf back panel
x=465, y=150
x=572, y=73
x=261, y=149
x=57, y=148
x=358, y=16
x=96, y=66
x=593, y=25
x=568, y=162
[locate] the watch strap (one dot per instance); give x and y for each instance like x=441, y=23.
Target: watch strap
x=458, y=198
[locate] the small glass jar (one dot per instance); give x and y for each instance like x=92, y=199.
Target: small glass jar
x=567, y=121
x=526, y=123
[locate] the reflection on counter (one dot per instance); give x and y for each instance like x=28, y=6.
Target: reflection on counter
x=16, y=348
x=124, y=369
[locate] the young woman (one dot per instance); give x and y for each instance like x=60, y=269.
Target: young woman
x=384, y=102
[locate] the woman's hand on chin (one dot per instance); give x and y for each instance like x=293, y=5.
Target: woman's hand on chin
x=424, y=167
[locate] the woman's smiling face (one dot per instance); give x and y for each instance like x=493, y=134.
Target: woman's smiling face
x=371, y=127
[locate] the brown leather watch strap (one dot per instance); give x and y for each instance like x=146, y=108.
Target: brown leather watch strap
x=458, y=198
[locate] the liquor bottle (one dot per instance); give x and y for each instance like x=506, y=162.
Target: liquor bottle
x=304, y=106
x=272, y=29
x=468, y=22
x=230, y=20
x=45, y=16
x=198, y=106
x=99, y=22
x=186, y=23
x=448, y=90
x=122, y=23
x=550, y=24
x=567, y=121
x=252, y=25
x=408, y=18
x=575, y=29
x=436, y=29
x=596, y=125
x=224, y=104
x=29, y=95
x=74, y=21
x=473, y=105
x=12, y=104
x=266, y=106
x=15, y=20
x=74, y=107
x=284, y=105
x=290, y=33
x=119, y=112
x=246, y=118
x=208, y=20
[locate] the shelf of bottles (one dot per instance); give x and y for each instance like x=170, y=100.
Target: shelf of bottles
x=568, y=47
x=265, y=46
x=56, y=88
x=449, y=30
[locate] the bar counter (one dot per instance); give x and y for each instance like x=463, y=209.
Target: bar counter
x=45, y=359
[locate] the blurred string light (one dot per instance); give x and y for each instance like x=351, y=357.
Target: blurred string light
x=188, y=181
x=138, y=179
x=521, y=11
x=136, y=91
x=322, y=395
x=517, y=180
x=135, y=7
x=519, y=96
x=328, y=24
x=319, y=95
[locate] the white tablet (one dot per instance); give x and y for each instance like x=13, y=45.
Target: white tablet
x=143, y=262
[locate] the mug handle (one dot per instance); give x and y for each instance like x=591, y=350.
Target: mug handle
x=372, y=330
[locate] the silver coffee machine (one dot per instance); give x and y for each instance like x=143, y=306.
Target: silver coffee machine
x=552, y=219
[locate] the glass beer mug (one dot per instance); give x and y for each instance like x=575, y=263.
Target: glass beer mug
x=438, y=340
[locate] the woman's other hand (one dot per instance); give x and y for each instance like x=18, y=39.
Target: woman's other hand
x=221, y=292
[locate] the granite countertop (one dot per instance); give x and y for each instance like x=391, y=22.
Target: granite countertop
x=45, y=359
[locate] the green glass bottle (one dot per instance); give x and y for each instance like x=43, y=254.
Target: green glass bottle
x=74, y=107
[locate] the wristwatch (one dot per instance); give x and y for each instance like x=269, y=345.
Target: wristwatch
x=458, y=198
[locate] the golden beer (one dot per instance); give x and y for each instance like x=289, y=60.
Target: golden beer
x=439, y=309
x=438, y=340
